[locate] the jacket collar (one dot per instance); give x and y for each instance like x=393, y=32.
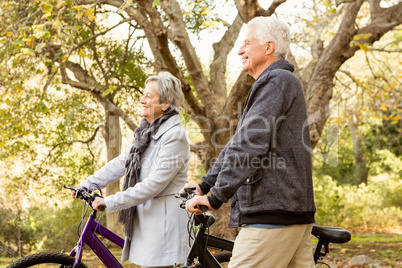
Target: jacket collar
x=171, y=122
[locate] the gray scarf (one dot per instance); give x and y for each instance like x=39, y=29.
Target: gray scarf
x=142, y=138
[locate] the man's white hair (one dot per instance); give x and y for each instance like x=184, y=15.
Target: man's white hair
x=271, y=29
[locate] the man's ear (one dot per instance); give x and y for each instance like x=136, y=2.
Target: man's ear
x=270, y=48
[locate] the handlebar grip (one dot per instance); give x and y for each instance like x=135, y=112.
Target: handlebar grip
x=203, y=208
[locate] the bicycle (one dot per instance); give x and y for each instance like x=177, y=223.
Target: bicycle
x=88, y=237
x=199, y=255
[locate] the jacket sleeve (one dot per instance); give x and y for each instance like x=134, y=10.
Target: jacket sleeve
x=251, y=142
x=109, y=173
x=173, y=154
x=209, y=180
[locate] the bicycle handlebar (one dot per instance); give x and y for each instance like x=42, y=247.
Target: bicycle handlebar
x=83, y=194
x=187, y=195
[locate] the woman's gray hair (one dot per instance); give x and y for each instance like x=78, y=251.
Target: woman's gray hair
x=169, y=89
x=271, y=29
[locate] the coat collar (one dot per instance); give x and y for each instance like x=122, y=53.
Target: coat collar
x=171, y=122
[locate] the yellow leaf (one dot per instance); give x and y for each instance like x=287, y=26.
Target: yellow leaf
x=60, y=5
x=9, y=34
x=339, y=120
x=90, y=12
x=46, y=15
x=361, y=36
x=186, y=13
x=82, y=53
x=394, y=122
x=205, y=12
x=79, y=15
x=91, y=18
x=38, y=26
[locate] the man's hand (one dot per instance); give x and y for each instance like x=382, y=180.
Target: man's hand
x=195, y=201
x=98, y=202
x=197, y=190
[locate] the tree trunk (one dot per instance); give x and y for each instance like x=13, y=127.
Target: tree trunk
x=113, y=144
x=19, y=243
x=361, y=170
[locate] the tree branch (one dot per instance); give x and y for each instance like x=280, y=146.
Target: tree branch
x=237, y=96
x=182, y=41
x=218, y=65
x=249, y=9
x=88, y=83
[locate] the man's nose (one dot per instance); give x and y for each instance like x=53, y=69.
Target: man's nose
x=241, y=51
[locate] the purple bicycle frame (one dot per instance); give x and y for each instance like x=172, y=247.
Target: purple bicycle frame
x=90, y=238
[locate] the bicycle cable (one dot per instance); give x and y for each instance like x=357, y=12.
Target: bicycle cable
x=95, y=187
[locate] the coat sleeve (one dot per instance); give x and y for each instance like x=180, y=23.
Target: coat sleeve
x=109, y=173
x=251, y=142
x=173, y=154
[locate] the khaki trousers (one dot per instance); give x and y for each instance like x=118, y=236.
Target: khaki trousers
x=288, y=247
x=157, y=267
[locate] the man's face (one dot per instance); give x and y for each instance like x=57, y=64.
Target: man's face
x=253, y=55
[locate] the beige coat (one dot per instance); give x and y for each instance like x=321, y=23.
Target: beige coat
x=160, y=228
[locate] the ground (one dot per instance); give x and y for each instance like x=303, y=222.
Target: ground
x=385, y=248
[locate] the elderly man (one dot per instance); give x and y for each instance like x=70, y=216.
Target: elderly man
x=265, y=169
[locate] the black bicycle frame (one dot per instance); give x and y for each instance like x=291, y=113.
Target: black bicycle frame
x=202, y=240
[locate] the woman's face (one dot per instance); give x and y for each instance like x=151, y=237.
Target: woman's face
x=151, y=107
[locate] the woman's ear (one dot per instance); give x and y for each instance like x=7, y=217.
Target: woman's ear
x=166, y=105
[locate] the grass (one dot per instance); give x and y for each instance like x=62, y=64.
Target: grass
x=386, y=248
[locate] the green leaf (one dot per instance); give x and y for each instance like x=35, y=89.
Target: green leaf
x=47, y=8
x=46, y=34
x=27, y=51
x=361, y=36
x=155, y=3
x=18, y=43
x=39, y=47
x=108, y=91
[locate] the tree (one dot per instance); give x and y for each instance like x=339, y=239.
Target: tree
x=167, y=25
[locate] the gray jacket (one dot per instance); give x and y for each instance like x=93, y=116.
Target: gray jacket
x=265, y=169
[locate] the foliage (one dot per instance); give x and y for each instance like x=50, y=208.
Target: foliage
x=63, y=69
x=363, y=207
x=366, y=100
x=52, y=128
x=42, y=228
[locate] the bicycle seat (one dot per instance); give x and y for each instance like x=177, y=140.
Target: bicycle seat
x=332, y=234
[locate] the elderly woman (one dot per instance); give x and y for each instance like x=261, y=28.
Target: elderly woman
x=155, y=169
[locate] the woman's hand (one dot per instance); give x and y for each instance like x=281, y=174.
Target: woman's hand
x=197, y=190
x=99, y=201
x=191, y=204
x=74, y=193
